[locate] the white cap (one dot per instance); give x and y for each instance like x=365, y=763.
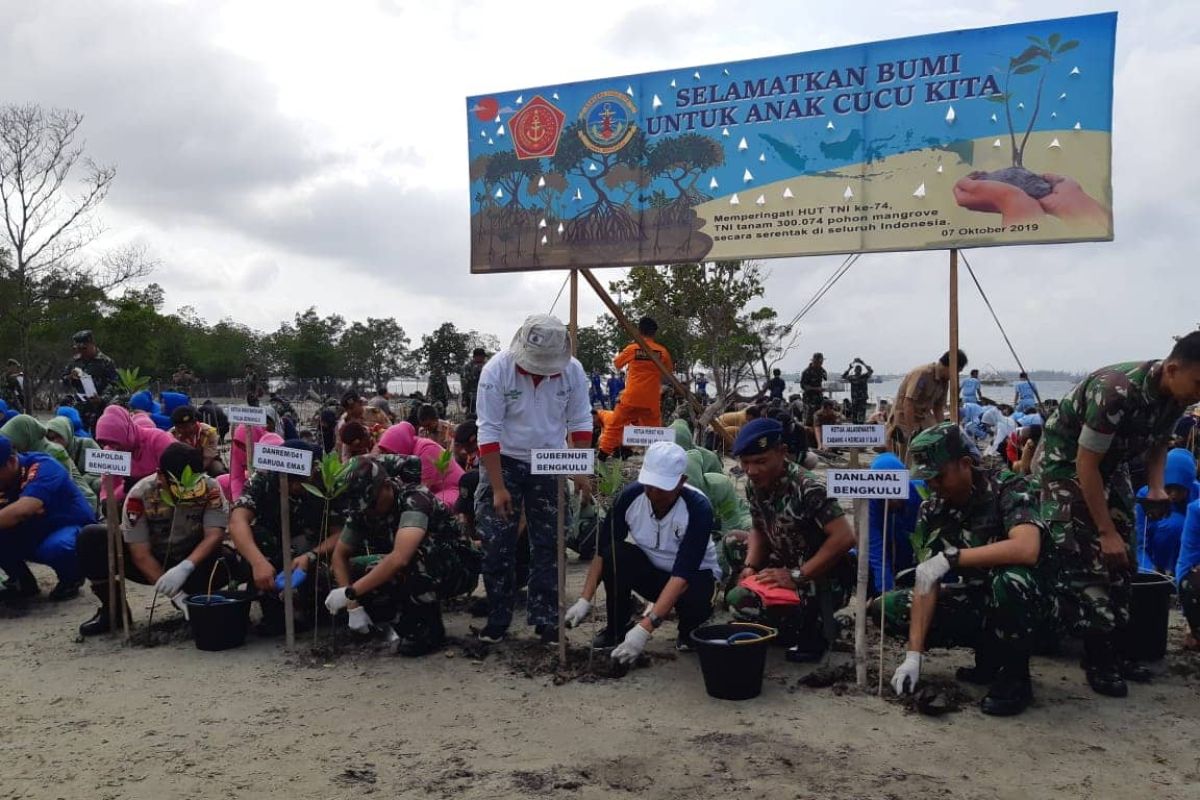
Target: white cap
x=663, y=466
x=542, y=346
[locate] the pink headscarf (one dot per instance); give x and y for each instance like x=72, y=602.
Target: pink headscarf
x=401, y=439
x=117, y=430
x=143, y=419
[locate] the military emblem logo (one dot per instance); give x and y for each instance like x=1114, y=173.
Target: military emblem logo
x=609, y=122
x=536, y=128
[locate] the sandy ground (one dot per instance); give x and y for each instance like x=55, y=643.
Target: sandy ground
x=102, y=720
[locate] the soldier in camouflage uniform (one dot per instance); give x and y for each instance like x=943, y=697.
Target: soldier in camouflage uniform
x=858, y=381
x=1115, y=415
x=468, y=377
x=986, y=528
x=401, y=553
x=88, y=360
x=254, y=527
x=799, y=540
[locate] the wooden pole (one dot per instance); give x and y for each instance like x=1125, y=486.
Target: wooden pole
x=562, y=576
x=113, y=543
x=953, y=399
x=249, y=441
x=574, y=323
x=285, y=533
x=119, y=547
x=632, y=330
x=862, y=527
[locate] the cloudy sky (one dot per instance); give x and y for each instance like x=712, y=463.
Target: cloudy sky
x=276, y=155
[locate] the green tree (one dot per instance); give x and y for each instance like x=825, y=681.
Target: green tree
x=442, y=353
x=374, y=351
x=309, y=346
x=595, y=347
x=603, y=220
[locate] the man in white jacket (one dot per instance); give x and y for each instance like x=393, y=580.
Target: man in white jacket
x=533, y=395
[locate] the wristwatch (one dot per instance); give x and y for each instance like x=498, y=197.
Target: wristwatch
x=312, y=556
x=350, y=593
x=655, y=620
x=951, y=554
x=798, y=577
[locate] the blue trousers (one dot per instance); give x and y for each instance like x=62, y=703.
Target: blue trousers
x=536, y=495
x=56, y=550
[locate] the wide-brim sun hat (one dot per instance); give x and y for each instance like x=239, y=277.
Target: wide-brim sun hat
x=542, y=346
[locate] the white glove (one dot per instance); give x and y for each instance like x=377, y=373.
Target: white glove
x=930, y=571
x=908, y=673
x=578, y=612
x=336, y=600
x=360, y=620
x=180, y=602
x=635, y=642
x=173, y=579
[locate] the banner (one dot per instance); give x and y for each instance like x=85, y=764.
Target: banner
x=992, y=136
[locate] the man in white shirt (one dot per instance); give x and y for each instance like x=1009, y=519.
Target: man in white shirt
x=657, y=542
x=533, y=395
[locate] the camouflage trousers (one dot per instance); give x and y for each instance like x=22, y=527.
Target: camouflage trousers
x=1189, y=599
x=537, y=496
x=438, y=571
x=1009, y=606
x=858, y=411
x=731, y=554
x=810, y=620
x=1091, y=596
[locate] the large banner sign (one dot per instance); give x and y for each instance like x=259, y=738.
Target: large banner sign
x=966, y=139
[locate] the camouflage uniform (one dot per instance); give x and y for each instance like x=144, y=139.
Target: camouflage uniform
x=469, y=378
x=791, y=517
x=858, y=394
x=1189, y=599
x=1005, y=605
x=445, y=564
x=812, y=376
x=103, y=373
x=307, y=513
x=1119, y=411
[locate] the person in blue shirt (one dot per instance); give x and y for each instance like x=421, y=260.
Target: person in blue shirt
x=616, y=385
x=702, y=386
x=901, y=522
x=41, y=512
x=969, y=391
x=1026, y=395
x=1158, y=535
x=1187, y=574
x=596, y=391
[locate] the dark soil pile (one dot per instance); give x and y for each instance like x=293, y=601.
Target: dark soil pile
x=1032, y=184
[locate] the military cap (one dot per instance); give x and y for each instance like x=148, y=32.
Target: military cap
x=757, y=436
x=935, y=447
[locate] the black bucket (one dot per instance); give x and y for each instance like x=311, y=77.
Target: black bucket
x=1149, y=610
x=218, y=621
x=733, y=657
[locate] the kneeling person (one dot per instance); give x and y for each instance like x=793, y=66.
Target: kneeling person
x=255, y=527
x=429, y=558
x=172, y=525
x=669, y=558
x=799, y=542
x=989, y=532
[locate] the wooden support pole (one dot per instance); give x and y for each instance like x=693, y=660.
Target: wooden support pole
x=862, y=528
x=573, y=325
x=954, y=367
x=562, y=574
x=114, y=542
x=632, y=330
x=285, y=534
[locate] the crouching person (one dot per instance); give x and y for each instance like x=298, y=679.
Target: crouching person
x=172, y=525
x=797, y=570
x=400, y=554
x=657, y=542
x=988, y=532
x=255, y=528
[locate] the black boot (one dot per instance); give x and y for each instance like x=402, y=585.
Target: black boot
x=1012, y=691
x=421, y=630
x=100, y=621
x=1131, y=669
x=986, y=665
x=19, y=586
x=65, y=590
x=1100, y=665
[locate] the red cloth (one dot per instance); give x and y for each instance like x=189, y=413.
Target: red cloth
x=771, y=595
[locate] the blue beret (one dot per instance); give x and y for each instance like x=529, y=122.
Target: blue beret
x=5, y=449
x=757, y=436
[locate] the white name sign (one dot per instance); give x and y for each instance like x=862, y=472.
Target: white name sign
x=852, y=435
x=107, y=462
x=633, y=436
x=576, y=461
x=872, y=484
x=291, y=460
x=247, y=415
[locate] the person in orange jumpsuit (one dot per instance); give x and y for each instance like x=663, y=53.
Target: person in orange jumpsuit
x=641, y=402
